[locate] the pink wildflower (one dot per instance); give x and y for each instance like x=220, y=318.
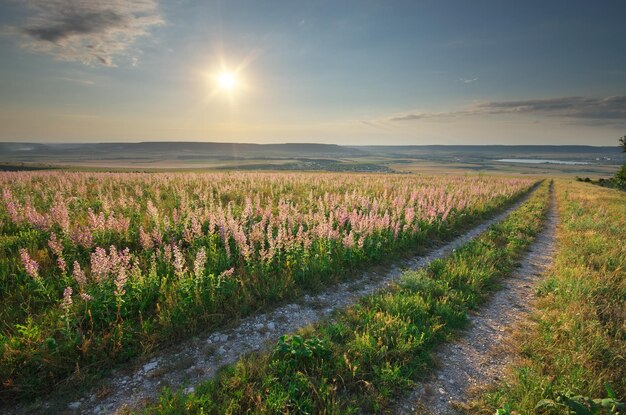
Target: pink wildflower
x=67, y=298
x=227, y=273
x=196, y=227
x=61, y=264
x=179, y=261
x=35, y=218
x=145, y=239
x=55, y=245
x=157, y=236
x=118, y=224
x=59, y=213
x=167, y=253
x=348, y=241
x=100, y=265
x=14, y=208
x=31, y=267
x=82, y=236
x=79, y=275
x=120, y=282
x=96, y=222
x=85, y=296
x=152, y=211
x=199, y=263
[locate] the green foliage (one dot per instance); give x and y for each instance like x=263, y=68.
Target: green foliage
x=297, y=353
x=573, y=404
x=620, y=177
x=505, y=410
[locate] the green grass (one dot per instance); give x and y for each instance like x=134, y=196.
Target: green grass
x=574, y=349
x=376, y=350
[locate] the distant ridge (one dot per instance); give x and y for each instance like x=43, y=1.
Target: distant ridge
x=174, y=147
x=319, y=148
x=285, y=156
x=568, y=148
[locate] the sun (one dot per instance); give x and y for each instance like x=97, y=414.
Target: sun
x=227, y=81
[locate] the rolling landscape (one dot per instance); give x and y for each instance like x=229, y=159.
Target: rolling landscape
x=151, y=156
x=300, y=207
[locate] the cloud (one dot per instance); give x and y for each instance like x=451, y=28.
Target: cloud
x=613, y=107
x=468, y=81
x=584, y=108
x=424, y=115
x=79, y=81
x=87, y=31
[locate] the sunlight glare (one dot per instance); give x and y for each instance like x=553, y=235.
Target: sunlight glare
x=227, y=81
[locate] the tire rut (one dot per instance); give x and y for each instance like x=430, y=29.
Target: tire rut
x=477, y=358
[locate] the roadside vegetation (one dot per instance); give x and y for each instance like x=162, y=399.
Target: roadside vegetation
x=620, y=176
x=572, y=355
x=97, y=268
x=618, y=181
x=375, y=350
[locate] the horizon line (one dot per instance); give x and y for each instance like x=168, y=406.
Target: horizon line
x=295, y=142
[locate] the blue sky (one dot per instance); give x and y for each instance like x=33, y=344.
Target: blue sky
x=347, y=72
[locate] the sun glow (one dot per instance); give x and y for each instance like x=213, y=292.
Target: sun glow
x=227, y=81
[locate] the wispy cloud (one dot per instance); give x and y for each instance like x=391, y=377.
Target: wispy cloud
x=79, y=81
x=586, y=108
x=425, y=115
x=468, y=81
x=613, y=107
x=87, y=31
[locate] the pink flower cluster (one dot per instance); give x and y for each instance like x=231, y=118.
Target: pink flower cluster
x=188, y=220
x=104, y=264
x=30, y=265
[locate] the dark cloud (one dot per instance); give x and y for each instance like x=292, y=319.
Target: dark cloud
x=76, y=24
x=87, y=31
x=586, y=108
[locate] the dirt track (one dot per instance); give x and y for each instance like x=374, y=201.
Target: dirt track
x=478, y=358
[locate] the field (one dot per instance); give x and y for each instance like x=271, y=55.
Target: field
x=102, y=272
x=98, y=267
x=376, y=349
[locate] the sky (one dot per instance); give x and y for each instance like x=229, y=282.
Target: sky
x=339, y=71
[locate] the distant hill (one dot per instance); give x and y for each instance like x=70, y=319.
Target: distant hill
x=496, y=148
x=494, y=152
x=499, y=149
x=170, y=149
x=287, y=156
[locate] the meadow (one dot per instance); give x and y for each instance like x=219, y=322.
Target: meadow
x=568, y=355
x=370, y=354
x=99, y=268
